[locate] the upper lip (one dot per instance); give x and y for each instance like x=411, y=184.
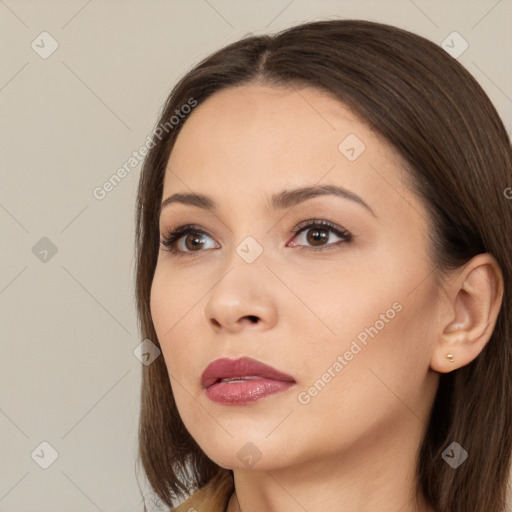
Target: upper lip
x=225, y=368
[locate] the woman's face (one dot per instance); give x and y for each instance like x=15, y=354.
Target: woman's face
x=350, y=316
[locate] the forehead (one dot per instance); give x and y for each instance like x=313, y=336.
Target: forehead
x=301, y=120
x=256, y=139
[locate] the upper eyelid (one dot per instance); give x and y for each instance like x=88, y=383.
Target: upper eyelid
x=186, y=227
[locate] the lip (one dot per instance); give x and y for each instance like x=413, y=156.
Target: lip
x=258, y=380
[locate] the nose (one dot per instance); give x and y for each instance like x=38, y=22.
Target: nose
x=242, y=299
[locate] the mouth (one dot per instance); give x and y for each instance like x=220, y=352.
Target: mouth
x=237, y=379
x=241, y=381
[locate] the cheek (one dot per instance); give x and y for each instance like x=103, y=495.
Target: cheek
x=160, y=306
x=169, y=302
x=372, y=320
x=353, y=306
x=358, y=381
x=166, y=310
x=174, y=307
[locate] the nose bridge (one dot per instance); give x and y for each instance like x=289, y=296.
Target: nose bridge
x=249, y=241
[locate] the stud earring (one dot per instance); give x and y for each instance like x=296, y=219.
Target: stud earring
x=450, y=358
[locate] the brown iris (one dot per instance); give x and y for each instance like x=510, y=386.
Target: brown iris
x=317, y=235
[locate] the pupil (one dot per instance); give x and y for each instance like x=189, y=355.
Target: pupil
x=318, y=235
x=195, y=238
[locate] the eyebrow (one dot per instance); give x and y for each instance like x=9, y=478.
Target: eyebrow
x=278, y=201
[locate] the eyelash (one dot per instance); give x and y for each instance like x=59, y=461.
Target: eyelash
x=169, y=240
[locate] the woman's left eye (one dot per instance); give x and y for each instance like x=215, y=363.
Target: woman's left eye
x=318, y=232
x=191, y=239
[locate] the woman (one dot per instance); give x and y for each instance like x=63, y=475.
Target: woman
x=324, y=259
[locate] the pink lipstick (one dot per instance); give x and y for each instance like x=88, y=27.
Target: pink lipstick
x=242, y=381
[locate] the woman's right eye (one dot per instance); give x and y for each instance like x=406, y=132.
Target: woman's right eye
x=185, y=239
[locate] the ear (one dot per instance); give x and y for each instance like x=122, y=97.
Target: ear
x=469, y=313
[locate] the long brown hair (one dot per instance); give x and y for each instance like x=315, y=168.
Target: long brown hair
x=459, y=159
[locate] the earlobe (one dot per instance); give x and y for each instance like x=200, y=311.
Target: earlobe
x=445, y=360
x=474, y=301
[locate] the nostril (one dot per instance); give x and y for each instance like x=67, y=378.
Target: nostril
x=252, y=318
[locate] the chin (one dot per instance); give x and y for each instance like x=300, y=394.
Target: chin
x=232, y=461
x=247, y=450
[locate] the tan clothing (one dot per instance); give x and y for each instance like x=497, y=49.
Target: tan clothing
x=212, y=497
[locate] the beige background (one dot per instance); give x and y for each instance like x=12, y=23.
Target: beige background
x=68, y=375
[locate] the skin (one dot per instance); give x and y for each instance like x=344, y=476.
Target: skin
x=353, y=446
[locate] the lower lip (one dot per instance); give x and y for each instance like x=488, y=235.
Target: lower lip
x=245, y=392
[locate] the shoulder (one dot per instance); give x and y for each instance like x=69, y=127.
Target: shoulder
x=212, y=497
